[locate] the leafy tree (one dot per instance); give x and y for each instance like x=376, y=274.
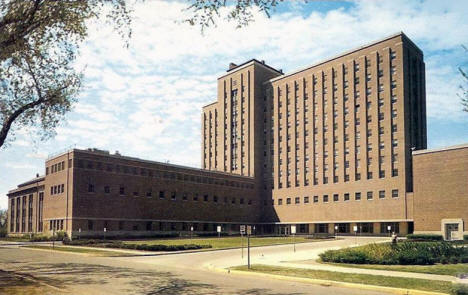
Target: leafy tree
x=39, y=42
x=40, y=39
x=464, y=88
x=205, y=13
x=3, y=222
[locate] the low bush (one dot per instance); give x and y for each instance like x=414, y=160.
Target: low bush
x=424, y=237
x=465, y=237
x=460, y=289
x=148, y=247
x=122, y=245
x=211, y=234
x=464, y=259
x=454, y=260
x=404, y=253
x=59, y=236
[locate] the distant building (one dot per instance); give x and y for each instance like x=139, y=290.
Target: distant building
x=328, y=148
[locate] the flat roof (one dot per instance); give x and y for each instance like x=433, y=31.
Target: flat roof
x=346, y=53
x=101, y=153
x=443, y=149
x=248, y=63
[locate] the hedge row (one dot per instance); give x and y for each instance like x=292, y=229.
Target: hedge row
x=405, y=253
x=424, y=237
x=121, y=245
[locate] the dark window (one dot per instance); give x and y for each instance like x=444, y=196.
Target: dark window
x=161, y=195
x=90, y=188
x=336, y=198
x=321, y=228
x=107, y=189
x=215, y=199
x=357, y=196
x=121, y=225
x=173, y=196
x=195, y=197
x=90, y=225
x=135, y=194
x=205, y=198
x=381, y=194
x=346, y=197
x=184, y=196
x=316, y=199
x=149, y=225
x=280, y=202
x=122, y=190
x=370, y=196
x=306, y=200
x=297, y=200
x=241, y=201
x=325, y=198
x=288, y=201
x=148, y=193
x=395, y=193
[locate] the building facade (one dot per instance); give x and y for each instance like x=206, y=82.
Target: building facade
x=328, y=148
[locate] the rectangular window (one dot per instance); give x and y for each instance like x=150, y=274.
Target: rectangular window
x=297, y=200
x=288, y=201
x=106, y=189
x=381, y=194
x=122, y=190
x=325, y=198
x=370, y=196
x=357, y=196
x=90, y=188
x=173, y=196
x=161, y=195
x=395, y=193
x=316, y=199
x=306, y=200
x=335, y=198
x=280, y=202
x=346, y=197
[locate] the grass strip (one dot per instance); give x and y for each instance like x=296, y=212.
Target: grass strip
x=437, y=269
x=76, y=250
x=376, y=280
x=226, y=242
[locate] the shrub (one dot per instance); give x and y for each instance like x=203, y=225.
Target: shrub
x=464, y=259
x=424, y=237
x=212, y=234
x=459, y=289
x=465, y=237
x=405, y=253
x=454, y=260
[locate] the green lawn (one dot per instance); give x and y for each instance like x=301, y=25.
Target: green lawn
x=438, y=269
x=225, y=242
x=76, y=250
x=396, y=282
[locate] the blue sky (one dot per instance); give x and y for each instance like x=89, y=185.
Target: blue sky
x=146, y=101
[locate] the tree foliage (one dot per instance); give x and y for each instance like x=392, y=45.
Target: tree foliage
x=464, y=88
x=39, y=43
x=205, y=13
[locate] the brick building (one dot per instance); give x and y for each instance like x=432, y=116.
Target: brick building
x=328, y=148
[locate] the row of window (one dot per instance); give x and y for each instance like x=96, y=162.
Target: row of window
x=336, y=197
x=161, y=174
x=56, y=225
x=174, y=195
x=56, y=167
x=57, y=189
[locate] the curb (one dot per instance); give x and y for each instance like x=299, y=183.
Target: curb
x=329, y=283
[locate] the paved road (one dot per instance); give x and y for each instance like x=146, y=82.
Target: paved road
x=169, y=274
